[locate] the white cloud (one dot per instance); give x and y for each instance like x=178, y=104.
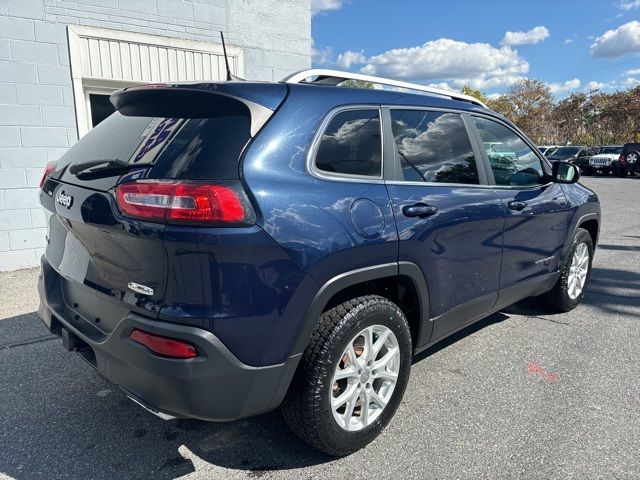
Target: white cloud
x=632, y=82
x=535, y=35
x=318, y=6
x=494, y=96
x=634, y=71
x=629, y=4
x=348, y=58
x=615, y=43
x=562, y=87
x=320, y=57
x=478, y=65
x=595, y=86
x=567, y=41
x=442, y=86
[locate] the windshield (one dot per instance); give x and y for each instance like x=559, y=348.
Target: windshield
x=611, y=150
x=567, y=151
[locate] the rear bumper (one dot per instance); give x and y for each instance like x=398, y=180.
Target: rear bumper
x=214, y=386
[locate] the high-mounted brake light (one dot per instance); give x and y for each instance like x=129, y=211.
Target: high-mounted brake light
x=48, y=169
x=182, y=202
x=168, y=347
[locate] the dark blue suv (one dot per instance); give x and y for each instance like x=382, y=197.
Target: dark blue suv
x=220, y=249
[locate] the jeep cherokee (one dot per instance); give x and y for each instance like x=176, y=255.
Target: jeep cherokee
x=218, y=250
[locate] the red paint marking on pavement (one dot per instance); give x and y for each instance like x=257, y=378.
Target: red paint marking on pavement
x=534, y=369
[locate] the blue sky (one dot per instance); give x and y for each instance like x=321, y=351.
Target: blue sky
x=571, y=45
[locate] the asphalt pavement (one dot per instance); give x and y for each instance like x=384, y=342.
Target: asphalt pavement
x=522, y=394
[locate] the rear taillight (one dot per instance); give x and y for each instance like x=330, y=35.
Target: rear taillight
x=622, y=160
x=167, y=347
x=48, y=169
x=183, y=202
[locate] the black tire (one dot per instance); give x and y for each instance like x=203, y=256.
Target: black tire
x=633, y=159
x=307, y=405
x=558, y=297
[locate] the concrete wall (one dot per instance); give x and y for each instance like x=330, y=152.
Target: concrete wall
x=37, y=114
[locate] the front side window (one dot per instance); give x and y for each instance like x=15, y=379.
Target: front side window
x=351, y=144
x=512, y=161
x=433, y=147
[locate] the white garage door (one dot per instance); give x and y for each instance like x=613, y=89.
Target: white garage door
x=104, y=60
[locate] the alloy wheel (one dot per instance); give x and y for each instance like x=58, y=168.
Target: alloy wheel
x=578, y=271
x=365, y=378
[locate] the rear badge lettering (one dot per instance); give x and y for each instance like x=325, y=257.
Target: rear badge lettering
x=142, y=289
x=64, y=199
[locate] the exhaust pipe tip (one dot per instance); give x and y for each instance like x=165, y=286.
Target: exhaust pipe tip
x=157, y=413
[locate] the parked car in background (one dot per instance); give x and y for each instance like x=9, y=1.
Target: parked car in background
x=548, y=149
x=601, y=162
x=628, y=161
x=578, y=155
x=220, y=249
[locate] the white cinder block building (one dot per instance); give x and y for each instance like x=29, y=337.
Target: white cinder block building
x=60, y=60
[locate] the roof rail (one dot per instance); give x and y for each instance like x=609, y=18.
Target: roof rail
x=334, y=77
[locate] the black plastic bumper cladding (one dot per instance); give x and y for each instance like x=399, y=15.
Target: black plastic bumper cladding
x=214, y=386
x=190, y=101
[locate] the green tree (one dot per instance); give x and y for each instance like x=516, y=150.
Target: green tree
x=472, y=92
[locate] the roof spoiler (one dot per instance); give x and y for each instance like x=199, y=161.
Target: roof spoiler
x=201, y=100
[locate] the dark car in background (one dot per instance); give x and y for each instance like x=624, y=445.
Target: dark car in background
x=629, y=160
x=578, y=155
x=220, y=249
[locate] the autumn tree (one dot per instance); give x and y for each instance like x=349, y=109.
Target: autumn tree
x=596, y=118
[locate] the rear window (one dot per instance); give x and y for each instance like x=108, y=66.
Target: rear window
x=566, y=151
x=178, y=148
x=631, y=146
x=611, y=150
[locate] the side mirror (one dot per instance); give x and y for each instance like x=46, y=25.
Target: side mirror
x=565, y=172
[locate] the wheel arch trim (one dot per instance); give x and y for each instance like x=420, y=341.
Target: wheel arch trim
x=575, y=222
x=354, y=277
x=580, y=220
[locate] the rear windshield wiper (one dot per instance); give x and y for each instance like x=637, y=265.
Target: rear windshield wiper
x=98, y=168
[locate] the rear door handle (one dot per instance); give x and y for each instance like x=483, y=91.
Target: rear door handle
x=516, y=205
x=421, y=210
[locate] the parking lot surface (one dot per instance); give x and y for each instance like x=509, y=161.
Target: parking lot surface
x=522, y=394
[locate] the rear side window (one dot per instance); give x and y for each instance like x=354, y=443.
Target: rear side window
x=433, y=147
x=351, y=145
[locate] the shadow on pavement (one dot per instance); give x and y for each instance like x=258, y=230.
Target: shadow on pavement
x=628, y=248
x=614, y=291
x=60, y=419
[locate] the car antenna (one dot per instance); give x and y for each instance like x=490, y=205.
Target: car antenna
x=230, y=76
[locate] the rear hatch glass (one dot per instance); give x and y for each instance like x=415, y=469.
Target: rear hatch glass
x=157, y=147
